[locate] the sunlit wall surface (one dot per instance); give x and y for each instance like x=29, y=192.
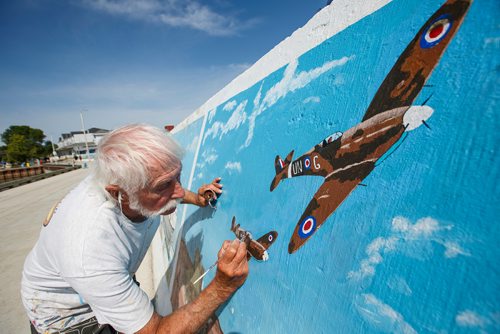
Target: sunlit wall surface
x=414, y=248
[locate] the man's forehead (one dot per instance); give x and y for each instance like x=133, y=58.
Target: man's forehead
x=159, y=175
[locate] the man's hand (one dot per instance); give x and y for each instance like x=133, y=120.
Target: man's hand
x=213, y=189
x=232, y=271
x=232, y=268
x=208, y=192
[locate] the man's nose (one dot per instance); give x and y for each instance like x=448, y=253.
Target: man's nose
x=178, y=191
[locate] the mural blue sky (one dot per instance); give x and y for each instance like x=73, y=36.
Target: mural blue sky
x=152, y=61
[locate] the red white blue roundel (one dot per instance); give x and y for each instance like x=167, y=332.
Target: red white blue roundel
x=436, y=32
x=270, y=238
x=307, y=163
x=282, y=164
x=307, y=227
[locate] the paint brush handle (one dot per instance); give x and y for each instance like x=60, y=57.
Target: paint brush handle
x=206, y=272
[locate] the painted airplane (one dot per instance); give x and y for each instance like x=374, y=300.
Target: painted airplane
x=345, y=159
x=255, y=248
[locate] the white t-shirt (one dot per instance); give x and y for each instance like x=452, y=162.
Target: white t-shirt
x=83, y=263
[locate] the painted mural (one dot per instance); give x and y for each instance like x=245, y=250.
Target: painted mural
x=407, y=203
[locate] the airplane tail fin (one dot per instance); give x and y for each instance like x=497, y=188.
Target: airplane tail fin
x=281, y=169
x=233, y=224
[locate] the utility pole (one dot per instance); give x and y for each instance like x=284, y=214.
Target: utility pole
x=85, y=137
x=54, y=153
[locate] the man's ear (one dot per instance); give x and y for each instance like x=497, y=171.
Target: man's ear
x=113, y=190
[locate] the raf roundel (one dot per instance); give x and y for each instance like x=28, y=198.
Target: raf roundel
x=436, y=32
x=307, y=163
x=307, y=227
x=270, y=238
x=282, y=164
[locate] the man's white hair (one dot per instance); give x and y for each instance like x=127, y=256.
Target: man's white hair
x=125, y=156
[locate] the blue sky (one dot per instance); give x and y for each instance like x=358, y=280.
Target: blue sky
x=120, y=62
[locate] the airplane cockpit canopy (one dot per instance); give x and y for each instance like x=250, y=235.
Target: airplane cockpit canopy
x=330, y=139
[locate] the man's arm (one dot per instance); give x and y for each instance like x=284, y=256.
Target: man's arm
x=232, y=270
x=198, y=198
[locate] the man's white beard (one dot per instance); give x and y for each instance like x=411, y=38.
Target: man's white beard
x=136, y=206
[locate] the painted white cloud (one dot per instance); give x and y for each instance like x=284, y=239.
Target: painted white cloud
x=453, y=250
x=229, y=106
x=211, y=114
x=422, y=229
x=399, y=284
x=405, y=237
x=382, y=316
x=495, y=41
x=374, y=253
x=193, y=145
x=470, y=318
x=312, y=99
x=174, y=13
x=238, y=117
x=208, y=157
x=233, y=166
x=291, y=81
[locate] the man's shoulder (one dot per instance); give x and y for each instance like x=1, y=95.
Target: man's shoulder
x=84, y=217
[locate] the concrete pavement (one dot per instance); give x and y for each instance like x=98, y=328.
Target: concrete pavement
x=22, y=211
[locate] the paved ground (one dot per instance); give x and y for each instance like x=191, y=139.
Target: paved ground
x=22, y=211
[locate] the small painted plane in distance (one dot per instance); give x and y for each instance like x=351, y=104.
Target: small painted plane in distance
x=255, y=248
x=345, y=159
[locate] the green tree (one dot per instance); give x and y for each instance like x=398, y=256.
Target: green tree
x=24, y=142
x=3, y=153
x=31, y=134
x=20, y=149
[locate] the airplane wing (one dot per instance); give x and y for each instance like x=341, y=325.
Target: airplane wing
x=412, y=69
x=326, y=200
x=267, y=239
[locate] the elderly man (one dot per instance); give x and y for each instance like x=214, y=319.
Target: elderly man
x=79, y=276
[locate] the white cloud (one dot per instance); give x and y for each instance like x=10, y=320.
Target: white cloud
x=470, y=318
x=312, y=99
x=290, y=82
x=422, y=229
x=399, y=284
x=495, y=41
x=211, y=114
x=453, y=250
x=382, y=316
x=374, y=251
x=408, y=237
x=238, y=117
x=233, y=166
x=193, y=145
x=208, y=156
x=174, y=13
x=229, y=106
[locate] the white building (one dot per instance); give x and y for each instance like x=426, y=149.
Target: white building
x=73, y=143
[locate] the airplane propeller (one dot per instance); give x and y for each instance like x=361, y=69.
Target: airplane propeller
x=427, y=100
x=426, y=125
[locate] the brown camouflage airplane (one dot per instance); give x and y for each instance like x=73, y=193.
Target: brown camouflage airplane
x=255, y=248
x=344, y=160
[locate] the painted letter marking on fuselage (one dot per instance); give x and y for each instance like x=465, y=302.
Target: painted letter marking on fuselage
x=316, y=164
x=297, y=167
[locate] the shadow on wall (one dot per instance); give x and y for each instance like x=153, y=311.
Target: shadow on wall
x=187, y=269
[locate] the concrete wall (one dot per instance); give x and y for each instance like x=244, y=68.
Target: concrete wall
x=413, y=248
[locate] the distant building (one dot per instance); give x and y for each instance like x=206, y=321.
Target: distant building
x=74, y=142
